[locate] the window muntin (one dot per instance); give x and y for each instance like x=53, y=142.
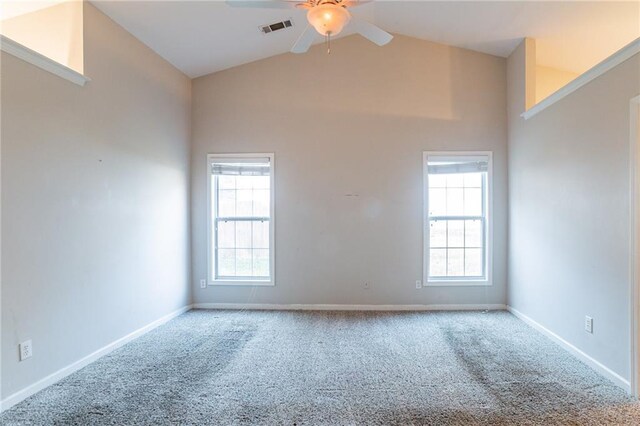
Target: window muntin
x=241, y=215
x=457, y=227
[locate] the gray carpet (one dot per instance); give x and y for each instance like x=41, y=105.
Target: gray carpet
x=333, y=368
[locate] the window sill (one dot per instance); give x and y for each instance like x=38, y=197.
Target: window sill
x=459, y=283
x=34, y=58
x=256, y=283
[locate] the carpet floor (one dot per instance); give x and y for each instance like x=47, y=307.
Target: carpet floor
x=333, y=368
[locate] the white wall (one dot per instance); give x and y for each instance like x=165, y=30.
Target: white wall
x=569, y=211
x=348, y=131
x=95, y=224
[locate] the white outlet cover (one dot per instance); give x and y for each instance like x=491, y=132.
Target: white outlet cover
x=418, y=284
x=588, y=324
x=203, y=283
x=26, y=350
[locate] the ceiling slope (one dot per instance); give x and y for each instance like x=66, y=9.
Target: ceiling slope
x=201, y=37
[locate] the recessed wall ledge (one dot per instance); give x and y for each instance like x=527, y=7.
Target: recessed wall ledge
x=617, y=58
x=31, y=56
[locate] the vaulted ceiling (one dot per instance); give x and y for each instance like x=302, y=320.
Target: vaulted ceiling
x=200, y=37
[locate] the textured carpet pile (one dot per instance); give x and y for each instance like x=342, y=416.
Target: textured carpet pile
x=333, y=368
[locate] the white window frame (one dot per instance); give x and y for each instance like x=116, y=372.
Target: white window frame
x=211, y=280
x=458, y=281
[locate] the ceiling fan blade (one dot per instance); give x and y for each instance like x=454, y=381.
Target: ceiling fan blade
x=354, y=3
x=265, y=4
x=371, y=32
x=304, y=41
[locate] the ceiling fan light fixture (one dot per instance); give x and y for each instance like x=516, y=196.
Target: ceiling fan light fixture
x=328, y=18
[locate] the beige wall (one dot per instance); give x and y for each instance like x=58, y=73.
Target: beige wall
x=55, y=32
x=635, y=109
x=569, y=211
x=94, y=201
x=548, y=80
x=348, y=131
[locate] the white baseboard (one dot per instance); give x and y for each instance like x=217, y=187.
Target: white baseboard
x=591, y=362
x=342, y=307
x=25, y=393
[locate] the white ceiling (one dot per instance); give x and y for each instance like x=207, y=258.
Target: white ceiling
x=200, y=37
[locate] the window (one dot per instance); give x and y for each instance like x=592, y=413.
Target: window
x=241, y=219
x=457, y=224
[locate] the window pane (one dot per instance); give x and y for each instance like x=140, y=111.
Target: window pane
x=457, y=192
x=437, y=262
x=261, y=263
x=261, y=202
x=243, y=234
x=454, y=181
x=437, y=233
x=260, y=182
x=226, y=182
x=473, y=233
x=226, y=234
x=473, y=201
x=455, y=262
x=241, y=245
x=251, y=257
x=244, y=182
x=455, y=202
x=226, y=262
x=226, y=203
x=455, y=233
x=260, y=235
x=437, y=181
x=437, y=202
x=244, y=202
x=473, y=262
x=243, y=262
x=472, y=180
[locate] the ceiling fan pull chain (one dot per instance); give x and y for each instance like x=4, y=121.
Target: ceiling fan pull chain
x=328, y=43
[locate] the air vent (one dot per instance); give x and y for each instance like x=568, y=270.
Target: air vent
x=266, y=29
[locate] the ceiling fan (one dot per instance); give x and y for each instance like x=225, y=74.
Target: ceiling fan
x=325, y=17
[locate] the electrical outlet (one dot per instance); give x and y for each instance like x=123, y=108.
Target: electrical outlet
x=26, y=350
x=418, y=284
x=366, y=286
x=203, y=283
x=588, y=324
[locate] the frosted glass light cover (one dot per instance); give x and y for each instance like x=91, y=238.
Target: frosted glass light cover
x=328, y=18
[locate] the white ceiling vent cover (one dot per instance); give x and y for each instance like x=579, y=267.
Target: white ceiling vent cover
x=266, y=29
